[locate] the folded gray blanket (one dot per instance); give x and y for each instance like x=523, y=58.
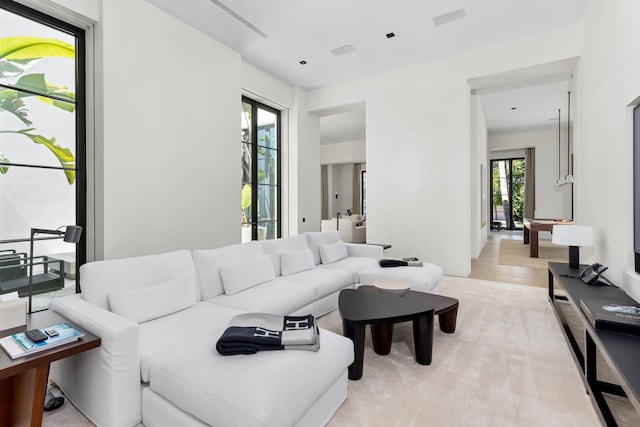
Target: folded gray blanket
x=252, y=332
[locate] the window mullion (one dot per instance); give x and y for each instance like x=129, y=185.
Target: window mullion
x=254, y=172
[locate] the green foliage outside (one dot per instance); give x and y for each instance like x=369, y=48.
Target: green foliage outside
x=518, y=169
x=17, y=55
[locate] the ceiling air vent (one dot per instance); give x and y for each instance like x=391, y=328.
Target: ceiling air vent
x=239, y=18
x=339, y=51
x=449, y=17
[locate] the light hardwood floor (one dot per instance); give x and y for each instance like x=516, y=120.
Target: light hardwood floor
x=486, y=266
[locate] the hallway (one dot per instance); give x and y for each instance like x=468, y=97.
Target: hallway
x=486, y=266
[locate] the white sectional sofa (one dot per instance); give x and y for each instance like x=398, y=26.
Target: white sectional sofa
x=159, y=318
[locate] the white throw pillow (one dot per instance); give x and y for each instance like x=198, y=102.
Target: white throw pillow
x=143, y=304
x=296, y=261
x=333, y=252
x=245, y=275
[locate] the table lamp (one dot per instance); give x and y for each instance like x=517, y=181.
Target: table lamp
x=574, y=236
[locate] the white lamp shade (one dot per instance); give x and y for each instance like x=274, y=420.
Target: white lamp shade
x=573, y=235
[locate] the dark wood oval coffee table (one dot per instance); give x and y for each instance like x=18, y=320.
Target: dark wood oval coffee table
x=368, y=305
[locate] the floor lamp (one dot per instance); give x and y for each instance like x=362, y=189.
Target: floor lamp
x=71, y=234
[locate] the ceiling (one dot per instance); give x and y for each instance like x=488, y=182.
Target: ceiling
x=276, y=35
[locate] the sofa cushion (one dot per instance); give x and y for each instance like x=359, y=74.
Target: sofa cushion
x=324, y=281
x=274, y=247
x=315, y=239
x=292, y=262
x=101, y=278
x=209, y=261
x=275, y=297
x=244, y=275
x=167, y=335
x=354, y=265
x=332, y=252
x=144, y=304
x=270, y=388
x=424, y=278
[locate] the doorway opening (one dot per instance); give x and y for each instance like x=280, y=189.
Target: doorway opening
x=507, y=193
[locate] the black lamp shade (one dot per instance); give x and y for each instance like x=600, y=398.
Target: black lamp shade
x=73, y=233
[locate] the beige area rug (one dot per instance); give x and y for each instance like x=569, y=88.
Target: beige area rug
x=514, y=252
x=507, y=364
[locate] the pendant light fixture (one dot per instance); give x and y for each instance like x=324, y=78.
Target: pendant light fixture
x=568, y=179
x=560, y=181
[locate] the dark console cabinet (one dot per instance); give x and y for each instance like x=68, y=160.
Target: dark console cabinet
x=620, y=352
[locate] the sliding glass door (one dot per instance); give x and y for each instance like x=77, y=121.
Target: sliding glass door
x=507, y=190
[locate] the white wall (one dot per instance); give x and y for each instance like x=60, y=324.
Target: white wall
x=342, y=186
x=306, y=127
x=169, y=138
x=478, y=135
x=418, y=144
x=609, y=82
x=343, y=152
x=551, y=201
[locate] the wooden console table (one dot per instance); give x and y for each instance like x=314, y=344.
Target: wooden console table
x=620, y=352
x=23, y=381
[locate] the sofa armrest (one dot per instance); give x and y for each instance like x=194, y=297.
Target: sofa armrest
x=363, y=250
x=104, y=383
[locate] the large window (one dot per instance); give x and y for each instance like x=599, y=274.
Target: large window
x=42, y=141
x=260, y=138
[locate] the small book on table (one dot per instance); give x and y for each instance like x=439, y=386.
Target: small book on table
x=612, y=316
x=18, y=345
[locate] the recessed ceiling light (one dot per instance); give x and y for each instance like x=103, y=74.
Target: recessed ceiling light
x=390, y=35
x=303, y=62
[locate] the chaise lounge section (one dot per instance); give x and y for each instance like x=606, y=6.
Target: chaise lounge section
x=159, y=318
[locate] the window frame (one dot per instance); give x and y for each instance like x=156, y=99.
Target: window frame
x=79, y=35
x=254, y=220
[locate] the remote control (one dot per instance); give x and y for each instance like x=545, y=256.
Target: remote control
x=36, y=335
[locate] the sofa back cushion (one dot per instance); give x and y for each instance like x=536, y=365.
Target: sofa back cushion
x=275, y=247
x=209, y=261
x=292, y=262
x=102, y=278
x=246, y=274
x=143, y=304
x=315, y=239
x=332, y=252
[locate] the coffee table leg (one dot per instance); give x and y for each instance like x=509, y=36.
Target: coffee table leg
x=382, y=335
x=448, y=319
x=355, y=332
x=423, y=338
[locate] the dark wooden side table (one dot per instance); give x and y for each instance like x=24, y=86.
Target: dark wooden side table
x=619, y=351
x=23, y=381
